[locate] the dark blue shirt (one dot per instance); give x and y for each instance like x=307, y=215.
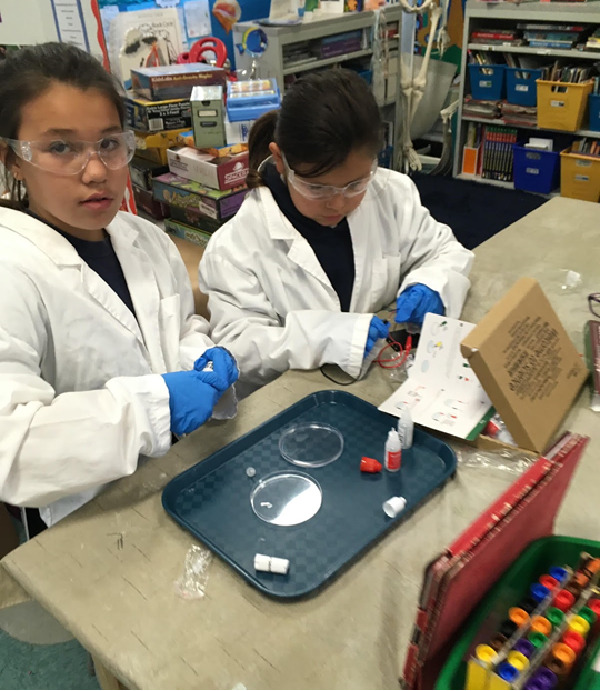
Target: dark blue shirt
x=100, y=256
x=332, y=246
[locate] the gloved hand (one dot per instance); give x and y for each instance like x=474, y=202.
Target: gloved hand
x=377, y=330
x=413, y=304
x=224, y=368
x=191, y=399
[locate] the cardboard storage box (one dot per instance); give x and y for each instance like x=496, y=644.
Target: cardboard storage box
x=218, y=173
x=186, y=232
x=153, y=116
x=174, y=81
x=207, y=116
x=144, y=171
x=194, y=218
x=527, y=365
x=217, y=204
x=153, y=145
x=579, y=176
x=145, y=201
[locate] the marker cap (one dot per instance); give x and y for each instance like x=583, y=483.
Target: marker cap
x=588, y=614
x=370, y=465
x=564, y=600
x=524, y=647
x=507, y=672
x=517, y=660
x=562, y=652
x=541, y=624
x=554, y=616
x=548, y=581
x=579, y=625
x=574, y=640
x=538, y=591
x=558, y=572
x=518, y=615
x=537, y=638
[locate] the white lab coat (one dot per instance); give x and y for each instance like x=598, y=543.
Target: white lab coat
x=81, y=397
x=272, y=304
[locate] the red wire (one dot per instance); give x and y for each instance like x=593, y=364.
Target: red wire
x=397, y=361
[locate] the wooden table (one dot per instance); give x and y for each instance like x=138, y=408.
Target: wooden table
x=107, y=572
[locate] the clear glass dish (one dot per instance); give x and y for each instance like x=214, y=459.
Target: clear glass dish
x=311, y=444
x=286, y=498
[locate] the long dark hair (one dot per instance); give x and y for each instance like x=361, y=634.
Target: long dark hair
x=27, y=73
x=323, y=117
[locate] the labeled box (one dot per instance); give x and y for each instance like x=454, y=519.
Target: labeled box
x=146, y=201
x=194, y=218
x=143, y=171
x=174, y=81
x=535, y=170
x=248, y=100
x=154, y=116
x=217, y=204
x=186, y=232
x=487, y=81
x=207, y=117
x=153, y=146
x=527, y=365
x=237, y=132
x=219, y=173
x=521, y=85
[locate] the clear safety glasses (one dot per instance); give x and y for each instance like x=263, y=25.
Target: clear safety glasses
x=311, y=190
x=69, y=157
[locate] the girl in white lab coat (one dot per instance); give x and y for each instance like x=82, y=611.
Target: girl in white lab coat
x=101, y=356
x=324, y=240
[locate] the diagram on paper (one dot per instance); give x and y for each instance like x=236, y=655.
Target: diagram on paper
x=442, y=391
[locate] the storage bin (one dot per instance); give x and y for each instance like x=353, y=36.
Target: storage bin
x=562, y=105
x=535, y=170
x=487, y=82
x=579, y=176
x=535, y=560
x=521, y=86
x=594, y=104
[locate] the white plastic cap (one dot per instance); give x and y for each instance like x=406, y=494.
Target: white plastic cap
x=393, y=506
x=263, y=562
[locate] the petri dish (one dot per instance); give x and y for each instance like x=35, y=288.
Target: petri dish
x=286, y=498
x=311, y=444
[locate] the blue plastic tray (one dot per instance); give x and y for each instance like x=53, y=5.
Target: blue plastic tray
x=212, y=499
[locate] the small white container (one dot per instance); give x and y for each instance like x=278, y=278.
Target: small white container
x=262, y=562
x=393, y=506
x=405, y=427
x=393, y=451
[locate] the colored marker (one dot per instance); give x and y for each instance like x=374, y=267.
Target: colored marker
x=574, y=640
x=588, y=614
x=507, y=672
x=518, y=615
x=566, y=655
x=579, y=625
x=543, y=679
x=507, y=628
x=559, y=573
x=484, y=653
x=524, y=647
x=537, y=638
x=518, y=660
x=564, y=600
x=538, y=592
x=548, y=581
x=541, y=624
x=554, y=616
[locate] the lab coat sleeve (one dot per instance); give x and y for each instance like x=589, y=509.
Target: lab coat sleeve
x=193, y=338
x=56, y=445
x=434, y=257
x=265, y=345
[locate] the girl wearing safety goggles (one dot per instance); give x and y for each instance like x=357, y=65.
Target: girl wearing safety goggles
x=101, y=356
x=325, y=239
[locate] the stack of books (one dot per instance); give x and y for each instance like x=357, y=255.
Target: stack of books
x=561, y=36
x=497, y=37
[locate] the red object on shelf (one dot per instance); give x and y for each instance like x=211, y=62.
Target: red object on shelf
x=208, y=44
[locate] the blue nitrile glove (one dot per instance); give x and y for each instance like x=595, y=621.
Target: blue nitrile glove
x=413, y=304
x=191, y=399
x=224, y=367
x=377, y=330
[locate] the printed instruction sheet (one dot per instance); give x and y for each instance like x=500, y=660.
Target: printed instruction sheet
x=442, y=391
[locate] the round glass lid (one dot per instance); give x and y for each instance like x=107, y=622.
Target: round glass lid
x=311, y=444
x=286, y=498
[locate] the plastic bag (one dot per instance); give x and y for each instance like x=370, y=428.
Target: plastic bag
x=192, y=583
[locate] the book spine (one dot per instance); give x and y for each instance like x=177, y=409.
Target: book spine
x=592, y=352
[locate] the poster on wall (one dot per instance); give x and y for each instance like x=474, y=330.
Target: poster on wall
x=70, y=25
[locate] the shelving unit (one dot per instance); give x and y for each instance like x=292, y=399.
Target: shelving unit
x=506, y=15
x=285, y=41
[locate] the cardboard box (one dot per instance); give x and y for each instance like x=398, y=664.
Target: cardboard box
x=174, y=81
x=147, y=203
x=217, y=204
x=194, y=218
x=153, y=145
x=218, y=173
x=186, y=232
x=207, y=116
x=237, y=132
x=526, y=363
x=153, y=116
x=143, y=172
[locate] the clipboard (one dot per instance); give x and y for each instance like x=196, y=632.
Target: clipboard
x=457, y=579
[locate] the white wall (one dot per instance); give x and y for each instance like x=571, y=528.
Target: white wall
x=26, y=22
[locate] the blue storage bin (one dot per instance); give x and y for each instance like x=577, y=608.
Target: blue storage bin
x=535, y=170
x=594, y=112
x=487, y=82
x=521, y=86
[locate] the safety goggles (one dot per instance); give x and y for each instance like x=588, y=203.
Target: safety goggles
x=69, y=157
x=594, y=304
x=311, y=190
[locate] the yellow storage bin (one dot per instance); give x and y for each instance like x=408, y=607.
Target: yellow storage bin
x=579, y=176
x=562, y=105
